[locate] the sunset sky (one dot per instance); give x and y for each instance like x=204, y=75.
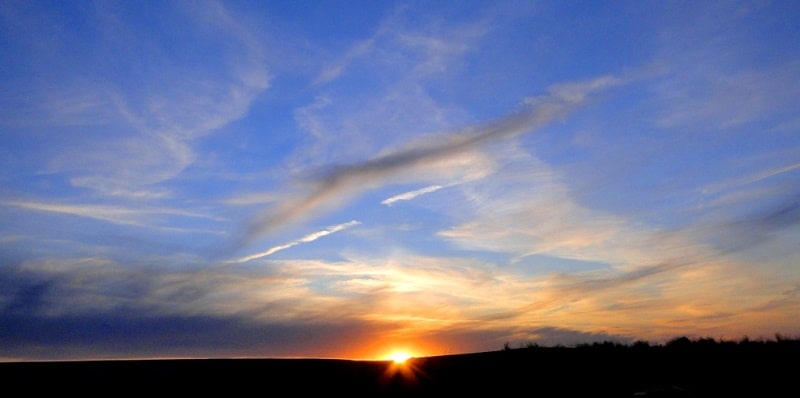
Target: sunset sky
x=343, y=179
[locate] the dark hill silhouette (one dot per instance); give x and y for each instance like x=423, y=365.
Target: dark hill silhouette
x=680, y=368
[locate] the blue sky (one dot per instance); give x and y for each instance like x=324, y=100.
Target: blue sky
x=345, y=179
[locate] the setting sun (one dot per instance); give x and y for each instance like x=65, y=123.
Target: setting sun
x=399, y=356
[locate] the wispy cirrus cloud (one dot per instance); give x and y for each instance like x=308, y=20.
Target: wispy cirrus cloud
x=253, y=198
x=336, y=183
x=308, y=238
x=334, y=70
x=411, y=194
x=527, y=209
x=677, y=275
x=132, y=127
x=750, y=178
x=117, y=214
x=714, y=81
x=392, y=35
x=342, y=123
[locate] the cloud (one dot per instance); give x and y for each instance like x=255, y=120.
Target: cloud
x=252, y=198
x=636, y=279
x=335, y=184
x=139, y=335
x=742, y=212
x=376, y=291
x=333, y=71
x=136, y=121
x=718, y=79
x=751, y=178
x=121, y=215
x=97, y=308
x=528, y=212
x=307, y=120
x=402, y=295
x=526, y=209
x=308, y=238
x=341, y=124
x=411, y=194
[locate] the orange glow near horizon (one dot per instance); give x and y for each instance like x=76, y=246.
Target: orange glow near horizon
x=395, y=349
x=399, y=357
x=402, y=369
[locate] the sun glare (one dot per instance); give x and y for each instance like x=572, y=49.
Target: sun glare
x=399, y=357
x=401, y=368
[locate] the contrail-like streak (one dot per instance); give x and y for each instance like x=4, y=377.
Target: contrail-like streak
x=341, y=181
x=411, y=195
x=308, y=238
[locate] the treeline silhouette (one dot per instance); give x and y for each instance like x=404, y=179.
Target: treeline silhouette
x=681, y=367
x=779, y=342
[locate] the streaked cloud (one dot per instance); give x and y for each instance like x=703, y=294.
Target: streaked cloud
x=719, y=84
x=750, y=178
x=308, y=238
x=252, y=198
x=393, y=32
x=150, y=115
x=332, y=71
x=336, y=183
x=115, y=214
x=411, y=194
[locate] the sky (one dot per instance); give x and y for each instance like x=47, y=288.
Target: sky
x=344, y=179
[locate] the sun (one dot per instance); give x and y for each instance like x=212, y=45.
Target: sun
x=401, y=368
x=399, y=357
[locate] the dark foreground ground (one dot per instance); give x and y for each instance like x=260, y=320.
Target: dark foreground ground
x=683, y=369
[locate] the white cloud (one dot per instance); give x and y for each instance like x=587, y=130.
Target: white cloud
x=308, y=238
x=411, y=194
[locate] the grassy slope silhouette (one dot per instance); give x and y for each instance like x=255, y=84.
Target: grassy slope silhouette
x=682, y=367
